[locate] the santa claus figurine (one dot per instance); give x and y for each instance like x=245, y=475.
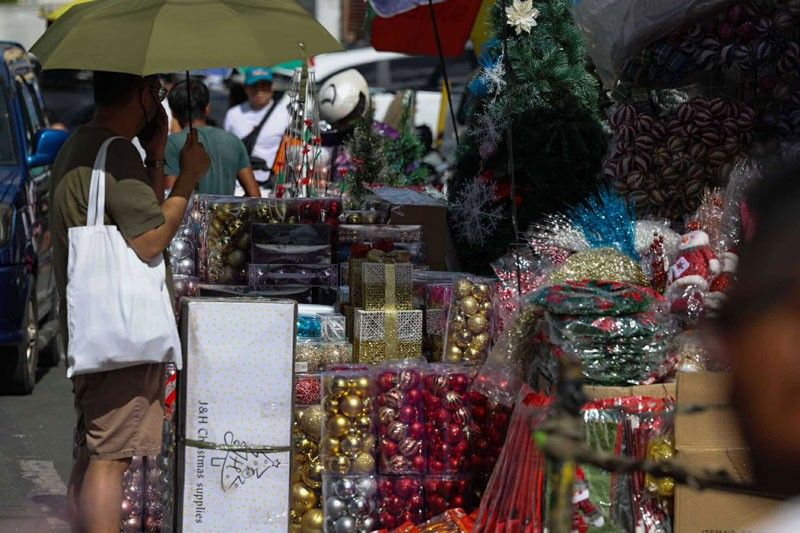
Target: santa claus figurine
x=585, y=513
x=697, y=264
x=721, y=285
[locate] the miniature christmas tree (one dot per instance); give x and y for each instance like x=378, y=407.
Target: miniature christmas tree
x=407, y=151
x=538, y=85
x=370, y=162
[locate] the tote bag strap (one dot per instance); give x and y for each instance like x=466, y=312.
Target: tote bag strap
x=97, y=190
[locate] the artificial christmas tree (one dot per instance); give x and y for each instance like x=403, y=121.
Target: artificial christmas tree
x=534, y=80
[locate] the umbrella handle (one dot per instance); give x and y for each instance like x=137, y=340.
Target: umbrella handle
x=189, y=98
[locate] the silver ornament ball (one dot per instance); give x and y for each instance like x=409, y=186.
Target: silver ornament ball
x=345, y=488
x=345, y=524
x=367, y=487
x=334, y=507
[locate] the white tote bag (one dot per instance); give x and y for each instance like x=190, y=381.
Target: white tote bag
x=118, y=307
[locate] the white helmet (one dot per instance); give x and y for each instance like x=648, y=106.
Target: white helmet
x=341, y=95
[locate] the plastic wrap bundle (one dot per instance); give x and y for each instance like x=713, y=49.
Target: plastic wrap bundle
x=401, y=501
x=401, y=418
x=520, y=273
x=619, y=332
x=469, y=323
x=183, y=248
x=502, y=375
x=350, y=503
x=635, y=427
x=348, y=441
x=514, y=502
x=307, y=468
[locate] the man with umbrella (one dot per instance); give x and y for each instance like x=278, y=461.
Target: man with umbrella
x=118, y=409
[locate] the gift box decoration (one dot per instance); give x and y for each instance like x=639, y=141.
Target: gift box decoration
x=289, y=274
x=415, y=250
x=235, y=432
x=387, y=335
x=386, y=284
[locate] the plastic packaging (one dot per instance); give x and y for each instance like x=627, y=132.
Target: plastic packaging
x=594, y=298
x=350, y=503
x=288, y=274
x=302, y=295
x=184, y=286
x=348, y=442
x=400, y=418
x=520, y=273
x=443, y=492
x=448, y=423
x=616, y=31
x=290, y=254
x=469, y=323
x=297, y=234
x=401, y=500
x=490, y=421
x=333, y=327
x=316, y=355
x=307, y=389
x=511, y=499
x=366, y=217
x=415, y=250
x=349, y=233
x=307, y=469
x=182, y=249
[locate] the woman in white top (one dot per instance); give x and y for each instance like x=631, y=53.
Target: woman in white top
x=243, y=119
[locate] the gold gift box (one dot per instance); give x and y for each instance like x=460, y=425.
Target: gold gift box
x=387, y=335
x=387, y=286
x=354, y=280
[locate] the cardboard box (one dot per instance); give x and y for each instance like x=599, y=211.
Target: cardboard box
x=440, y=250
x=711, y=440
x=662, y=390
x=236, y=406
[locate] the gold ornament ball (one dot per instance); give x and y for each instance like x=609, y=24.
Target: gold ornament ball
x=453, y=354
x=363, y=463
x=470, y=306
x=331, y=446
x=480, y=342
x=471, y=354
x=311, y=422
x=486, y=307
x=369, y=443
x=362, y=386
x=303, y=499
x=458, y=323
x=311, y=474
x=338, y=425
x=354, y=218
x=338, y=387
x=312, y=522
x=478, y=324
x=297, y=472
x=463, y=339
x=482, y=292
x=331, y=405
x=295, y=528
x=351, y=405
x=462, y=288
x=351, y=445
x=363, y=423
x=339, y=464
x=306, y=446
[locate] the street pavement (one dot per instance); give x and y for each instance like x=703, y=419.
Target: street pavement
x=36, y=456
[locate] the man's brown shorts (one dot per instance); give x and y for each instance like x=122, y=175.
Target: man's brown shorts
x=119, y=413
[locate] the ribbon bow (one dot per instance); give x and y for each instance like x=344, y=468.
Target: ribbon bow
x=396, y=256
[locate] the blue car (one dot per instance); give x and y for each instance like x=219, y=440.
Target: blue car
x=28, y=301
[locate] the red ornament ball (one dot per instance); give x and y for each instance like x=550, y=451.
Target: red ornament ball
x=386, y=381
x=418, y=463
x=416, y=430
x=459, y=383
x=307, y=391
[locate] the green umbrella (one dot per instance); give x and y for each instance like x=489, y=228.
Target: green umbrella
x=153, y=36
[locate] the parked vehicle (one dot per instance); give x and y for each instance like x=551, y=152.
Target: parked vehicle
x=28, y=300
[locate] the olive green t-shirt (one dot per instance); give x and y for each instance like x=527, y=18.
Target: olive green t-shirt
x=131, y=203
x=227, y=153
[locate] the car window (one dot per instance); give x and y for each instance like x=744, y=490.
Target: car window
x=422, y=73
x=34, y=120
x=8, y=155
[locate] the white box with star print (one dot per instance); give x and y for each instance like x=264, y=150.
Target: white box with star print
x=236, y=415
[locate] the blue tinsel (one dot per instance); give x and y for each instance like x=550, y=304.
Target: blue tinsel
x=607, y=221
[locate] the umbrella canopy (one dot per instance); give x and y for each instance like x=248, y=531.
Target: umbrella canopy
x=146, y=37
x=60, y=11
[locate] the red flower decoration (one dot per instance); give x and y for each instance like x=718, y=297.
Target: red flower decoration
x=308, y=122
x=280, y=164
x=343, y=171
x=317, y=140
x=306, y=149
x=280, y=190
x=305, y=181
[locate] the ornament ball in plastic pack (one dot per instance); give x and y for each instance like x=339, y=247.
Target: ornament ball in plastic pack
x=502, y=374
x=469, y=322
x=348, y=442
x=350, y=503
x=400, y=418
x=445, y=389
x=401, y=500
